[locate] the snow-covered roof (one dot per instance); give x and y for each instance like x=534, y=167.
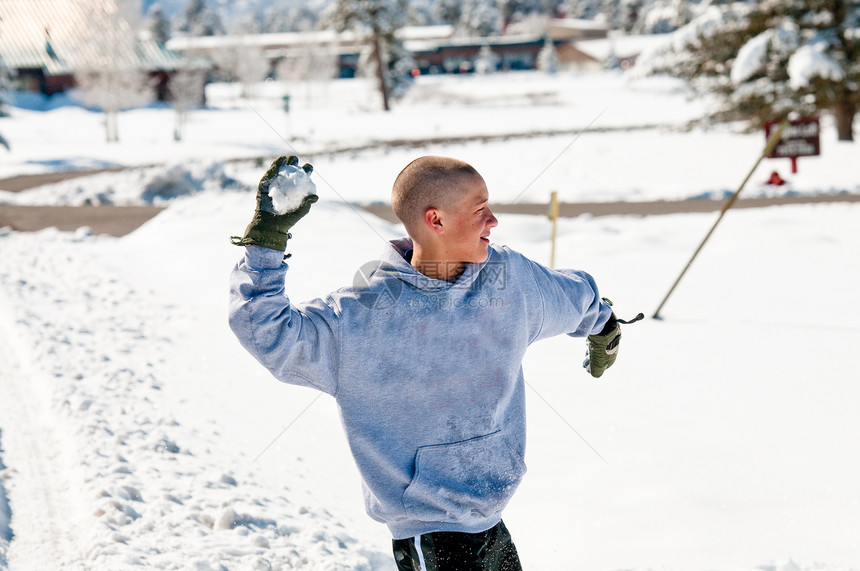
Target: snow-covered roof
x=425, y=32
x=262, y=41
x=579, y=24
x=621, y=46
x=61, y=36
x=201, y=44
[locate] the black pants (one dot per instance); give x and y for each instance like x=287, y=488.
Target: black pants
x=490, y=550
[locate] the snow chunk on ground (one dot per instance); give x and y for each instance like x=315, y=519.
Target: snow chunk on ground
x=290, y=188
x=157, y=186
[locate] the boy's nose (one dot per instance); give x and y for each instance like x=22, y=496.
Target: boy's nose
x=492, y=222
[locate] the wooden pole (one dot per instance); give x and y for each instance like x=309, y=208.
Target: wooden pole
x=771, y=143
x=553, y=216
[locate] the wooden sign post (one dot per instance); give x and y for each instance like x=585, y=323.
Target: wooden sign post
x=772, y=141
x=553, y=216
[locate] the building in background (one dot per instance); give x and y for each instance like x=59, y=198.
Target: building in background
x=435, y=49
x=46, y=43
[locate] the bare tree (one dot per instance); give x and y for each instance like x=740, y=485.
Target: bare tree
x=547, y=60
x=201, y=20
x=159, y=24
x=5, y=85
x=243, y=64
x=308, y=64
x=110, y=76
x=487, y=61
x=186, y=92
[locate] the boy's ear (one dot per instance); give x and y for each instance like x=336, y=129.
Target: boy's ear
x=433, y=220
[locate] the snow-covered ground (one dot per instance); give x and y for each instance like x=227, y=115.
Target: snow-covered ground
x=136, y=433
x=620, y=140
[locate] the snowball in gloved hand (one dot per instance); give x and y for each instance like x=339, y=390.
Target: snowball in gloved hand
x=289, y=188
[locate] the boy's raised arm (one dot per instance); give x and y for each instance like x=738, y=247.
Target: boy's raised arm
x=298, y=346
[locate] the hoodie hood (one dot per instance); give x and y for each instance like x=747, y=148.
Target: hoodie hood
x=393, y=262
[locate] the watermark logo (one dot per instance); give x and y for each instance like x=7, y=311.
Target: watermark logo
x=386, y=290
x=383, y=294
x=494, y=275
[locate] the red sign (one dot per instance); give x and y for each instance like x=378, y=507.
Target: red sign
x=800, y=139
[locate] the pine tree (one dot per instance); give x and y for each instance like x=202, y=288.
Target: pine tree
x=513, y=11
x=583, y=9
x=422, y=13
x=664, y=16
x=289, y=18
x=252, y=21
x=765, y=60
x=200, y=20
x=636, y=16
x=158, y=24
x=487, y=61
x=481, y=17
x=379, y=19
x=5, y=85
x=449, y=11
x=547, y=60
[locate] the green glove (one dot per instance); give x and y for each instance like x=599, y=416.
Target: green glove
x=269, y=228
x=603, y=348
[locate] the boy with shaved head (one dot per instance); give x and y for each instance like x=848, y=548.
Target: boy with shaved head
x=443, y=203
x=424, y=360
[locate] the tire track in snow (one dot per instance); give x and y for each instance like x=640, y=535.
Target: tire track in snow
x=41, y=519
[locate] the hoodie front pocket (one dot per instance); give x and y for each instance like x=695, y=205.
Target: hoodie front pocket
x=458, y=481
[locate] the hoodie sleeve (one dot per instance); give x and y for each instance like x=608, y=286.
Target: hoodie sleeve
x=298, y=345
x=571, y=302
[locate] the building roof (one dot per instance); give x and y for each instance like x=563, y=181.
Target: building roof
x=64, y=36
x=575, y=29
x=203, y=44
x=346, y=40
x=620, y=46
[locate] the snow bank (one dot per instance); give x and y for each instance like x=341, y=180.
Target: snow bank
x=153, y=185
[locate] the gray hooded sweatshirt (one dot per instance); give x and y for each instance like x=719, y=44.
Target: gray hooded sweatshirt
x=427, y=374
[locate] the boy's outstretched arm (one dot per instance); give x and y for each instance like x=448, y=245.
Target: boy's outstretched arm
x=573, y=305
